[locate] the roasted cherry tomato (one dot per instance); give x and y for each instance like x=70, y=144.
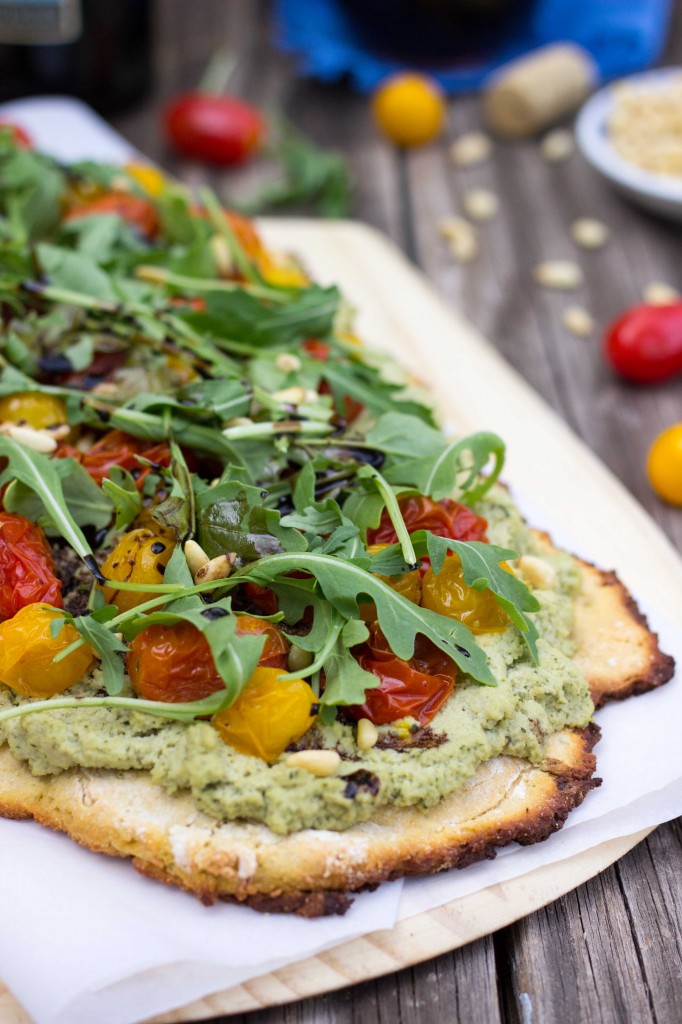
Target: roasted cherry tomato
x=33, y=407
x=19, y=135
x=644, y=345
x=117, y=448
x=141, y=556
x=175, y=664
x=317, y=349
x=448, y=594
x=417, y=688
x=27, y=650
x=270, y=714
x=218, y=129
x=137, y=211
x=664, y=465
x=26, y=566
x=148, y=177
x=445, y=518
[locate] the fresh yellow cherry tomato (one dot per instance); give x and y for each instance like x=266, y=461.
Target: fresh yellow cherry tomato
x=141, y=556
x=448, y=594
x=270, y=714
x=27, y=650
x=664, y=465
x=36, y=409
x=409, y=109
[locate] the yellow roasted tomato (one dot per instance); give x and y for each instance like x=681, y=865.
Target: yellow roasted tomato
x=448, y=594
x=270, y=714
x=27, y=649
x=141, y=556
x=409, y=585
x=32, y=407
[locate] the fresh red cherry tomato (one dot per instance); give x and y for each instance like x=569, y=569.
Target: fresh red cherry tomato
x=417, y=688
x=644, y=344
x=175, y=664
x=217, y=129
x=19, y=135
x=26, y=567
x=445, y=518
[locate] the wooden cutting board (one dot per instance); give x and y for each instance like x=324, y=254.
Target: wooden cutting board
x=399, y=311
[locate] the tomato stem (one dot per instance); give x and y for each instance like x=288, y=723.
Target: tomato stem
x=218, y=73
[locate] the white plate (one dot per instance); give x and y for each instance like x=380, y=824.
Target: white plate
x=658, y=192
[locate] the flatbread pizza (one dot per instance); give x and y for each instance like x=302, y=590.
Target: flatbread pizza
x=264, y=629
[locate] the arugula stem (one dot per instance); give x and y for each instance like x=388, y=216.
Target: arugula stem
x=393, y=509
x=157, y=275
x=254, y=430
x=185, y=712
x=218, y=217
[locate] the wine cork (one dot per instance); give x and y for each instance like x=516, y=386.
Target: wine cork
x=534, y=92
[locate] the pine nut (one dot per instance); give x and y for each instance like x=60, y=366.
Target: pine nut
x=561, y=274
x=471, y=148
x=287, y=362
x=291, y=396
x=38, y=440
x=557, y=145
x=318, y=762
x=222, y=255
x=537, y=572
x=578, y=321
x=461, y=238
x=367, y=734
x=195, y=556
x=480, y=204
x=589, y=233
x=660, y=294
x=216, y=569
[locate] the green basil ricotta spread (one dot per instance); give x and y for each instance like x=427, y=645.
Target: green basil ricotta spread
x=529, y=703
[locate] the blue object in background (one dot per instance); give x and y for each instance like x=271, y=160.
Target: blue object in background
x=622, y=36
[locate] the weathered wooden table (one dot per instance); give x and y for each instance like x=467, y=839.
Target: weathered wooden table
x=610, y=951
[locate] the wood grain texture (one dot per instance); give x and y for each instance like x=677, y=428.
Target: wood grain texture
x=634, y=909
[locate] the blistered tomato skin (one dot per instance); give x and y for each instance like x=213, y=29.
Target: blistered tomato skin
x=141, y=556
x=270, y=714
x=448, y=594
x=26, y=566
x=417, y=688
x=27, y=650
x=644, y=345
x=138, y=212
x=32, y=407
x=175, y=664
x=446, y=518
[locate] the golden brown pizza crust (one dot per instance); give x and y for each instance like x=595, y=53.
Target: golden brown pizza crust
x=313, y=872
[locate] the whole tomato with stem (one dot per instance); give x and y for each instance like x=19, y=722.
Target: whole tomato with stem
x=26, y=566
x=644, y=344
x=417, y=688
x=175, y=664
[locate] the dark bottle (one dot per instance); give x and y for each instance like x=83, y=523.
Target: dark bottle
x=98, y=50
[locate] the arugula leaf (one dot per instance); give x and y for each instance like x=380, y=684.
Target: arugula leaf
x=346, y=682
x=231, y=517
x=108, y=647
x=344, y=584
x=75, y=271
x=42, y=476
x=122, y=490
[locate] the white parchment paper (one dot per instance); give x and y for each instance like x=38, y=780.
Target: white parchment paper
x=83, y=937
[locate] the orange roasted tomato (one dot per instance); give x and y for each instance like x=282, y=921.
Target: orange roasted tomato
x=26, y=566
x=141, y=556
x=448, y=594
x=270, y=714
x=445, y=518
x=417, y=688
x=175, y=664
x=138, y=212
x=27, y=650
x=33, y=407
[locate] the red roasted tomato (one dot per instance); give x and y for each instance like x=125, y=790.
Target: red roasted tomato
x=116, y=448
x=133, y=209
x=417, y=688
x=445, y=518
x=26, y=566
x=174, y=663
